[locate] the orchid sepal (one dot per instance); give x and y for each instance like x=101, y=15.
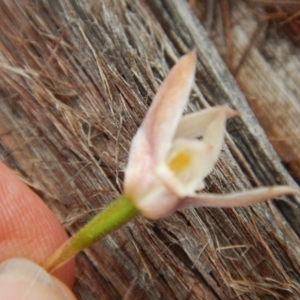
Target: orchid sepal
x=238, y=199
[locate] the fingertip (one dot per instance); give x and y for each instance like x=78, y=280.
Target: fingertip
x=28, y=227
x=21, y=278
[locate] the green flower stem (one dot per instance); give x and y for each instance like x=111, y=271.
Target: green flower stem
x=120, y=212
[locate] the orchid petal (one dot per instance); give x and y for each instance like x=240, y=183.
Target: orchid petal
x=202, y=154
x=194, y=125
x=240, y=199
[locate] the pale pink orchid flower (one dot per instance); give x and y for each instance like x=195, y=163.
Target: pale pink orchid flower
x=171, y=154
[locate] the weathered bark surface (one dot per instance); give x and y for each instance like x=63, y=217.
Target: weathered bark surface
x=76, y=80
x=268, y=76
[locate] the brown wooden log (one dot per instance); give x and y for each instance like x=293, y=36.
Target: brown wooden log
x=76, y=80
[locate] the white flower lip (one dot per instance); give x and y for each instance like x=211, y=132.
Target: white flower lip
x=168, y=163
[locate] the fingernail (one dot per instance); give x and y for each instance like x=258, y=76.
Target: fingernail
x=22, y=279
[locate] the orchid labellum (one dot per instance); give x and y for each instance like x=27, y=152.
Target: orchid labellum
x=169, y=158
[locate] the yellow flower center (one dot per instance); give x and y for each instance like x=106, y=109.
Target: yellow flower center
x=181, y=161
